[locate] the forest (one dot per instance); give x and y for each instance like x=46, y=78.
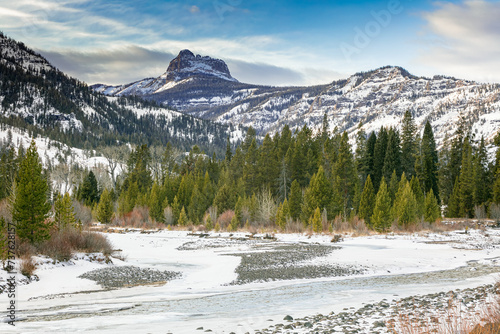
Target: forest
x=289, y=181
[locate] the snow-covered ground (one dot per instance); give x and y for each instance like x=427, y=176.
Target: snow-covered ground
x=391, y=265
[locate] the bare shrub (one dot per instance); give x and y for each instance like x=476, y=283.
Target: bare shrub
x=495, y=212
x=168, y=215
x=340, y=225
x=82, y=213
x=5, y=211
x=24, y=248
x=267, y=207
x=139, y=218
x=225, y=219
x=358, y=226
x=62, y=244
x=27, y=266
x=480, y=212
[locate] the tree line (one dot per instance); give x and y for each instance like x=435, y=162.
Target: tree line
x=388, y=177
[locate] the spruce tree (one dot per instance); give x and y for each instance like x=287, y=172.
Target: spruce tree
x=432, y=210
x=319, y=194
x=427, y=164
x=30, y=207
x=367, y=202
x=155, y=203
x=295, y=203
x=382, y=218
x=183, y=220
x=392, y=161
x=409, y=145
x=453, y=209
x=88, y=191
x=315, y=221
x=419, y=196
x=64, y=215
x=466, y=182
x=346, y=177
x=105, y=207
x=407, y=206
x=482, y=186
x=379, y=157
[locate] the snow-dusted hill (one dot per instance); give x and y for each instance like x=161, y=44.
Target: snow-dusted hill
x=37, y=97
x=375, y=98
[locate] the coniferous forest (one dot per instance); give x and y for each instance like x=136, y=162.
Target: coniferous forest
x=388, y=178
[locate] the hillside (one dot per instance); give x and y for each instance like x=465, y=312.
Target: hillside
x=37, y=97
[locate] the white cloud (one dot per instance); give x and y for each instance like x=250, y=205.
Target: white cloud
x=463, y=40
x=194, y=9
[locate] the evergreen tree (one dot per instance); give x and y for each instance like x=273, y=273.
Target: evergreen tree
x=250, y=172
x=267, y=166
x=64, y=215
x=370, y=155
x=229, y=153
x=183, y=220
x=155, y=203
x=392, y=161
x=453, y=209
x=432, y=211
x=367, y=202
x=409, y=145
x=407, y=206
x=319, y=194
x=482, y=188
x=295, y=203
x=419, y=196
x=466, y=182
x=382, y=218
x=345, y=172
x=105, y=207
x=30, y=207
x=88, y=191
x=315, y=221
x=427, y=164
x=379, y=157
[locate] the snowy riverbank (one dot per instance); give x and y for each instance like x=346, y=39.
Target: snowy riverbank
x=231, y=283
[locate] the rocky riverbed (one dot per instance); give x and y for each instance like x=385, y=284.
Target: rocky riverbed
x=427, y=311
x=127, y=276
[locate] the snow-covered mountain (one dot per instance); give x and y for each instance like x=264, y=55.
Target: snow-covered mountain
x=37, y=97
x=375, y=98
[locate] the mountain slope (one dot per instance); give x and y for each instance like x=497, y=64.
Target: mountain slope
x=36, y=96
x=375, y=98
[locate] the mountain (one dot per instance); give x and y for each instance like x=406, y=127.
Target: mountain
x=375, y=98
x=37, y=97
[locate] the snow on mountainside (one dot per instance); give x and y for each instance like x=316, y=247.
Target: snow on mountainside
x=375, y=98
x=180, y=71
x=36, y=96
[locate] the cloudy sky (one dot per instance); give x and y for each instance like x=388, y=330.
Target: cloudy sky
x=266, y=42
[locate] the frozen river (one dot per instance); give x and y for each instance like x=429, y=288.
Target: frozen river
x=393, y=267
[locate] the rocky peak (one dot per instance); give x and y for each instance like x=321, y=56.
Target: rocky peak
x=186, y=65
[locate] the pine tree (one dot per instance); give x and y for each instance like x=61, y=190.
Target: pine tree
x=407, y=206
x=250, y=172
x=295, y=203
x=30, y=207
x=209, y=224
x=392, y=161
x=482, y=187
x=453, y=209
x=427, y=164
x=155, y=203
x=466, y=182
x=379, y=157
x=370, y=155
x=88, y=192
x=64, y=215
x=234, y=224
x=105, y=207
x=432, y=211
x=346, y=176
x=409, y=144
x=419, y=196
x=382, y=218
x=229, y=153
x=183, y=220
x=319, y=194
x=315, y=221
x=367, y=202
x=267, y=167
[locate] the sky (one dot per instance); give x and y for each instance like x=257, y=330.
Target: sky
x=263, y=42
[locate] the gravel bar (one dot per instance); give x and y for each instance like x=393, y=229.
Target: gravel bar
x=127, y=276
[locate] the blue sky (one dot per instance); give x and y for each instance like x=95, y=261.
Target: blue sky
x=266, y=42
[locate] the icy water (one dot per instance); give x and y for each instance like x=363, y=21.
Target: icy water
x=181, y=308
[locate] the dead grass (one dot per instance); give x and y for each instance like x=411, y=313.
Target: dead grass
x=455, y=320
x=27, y=266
